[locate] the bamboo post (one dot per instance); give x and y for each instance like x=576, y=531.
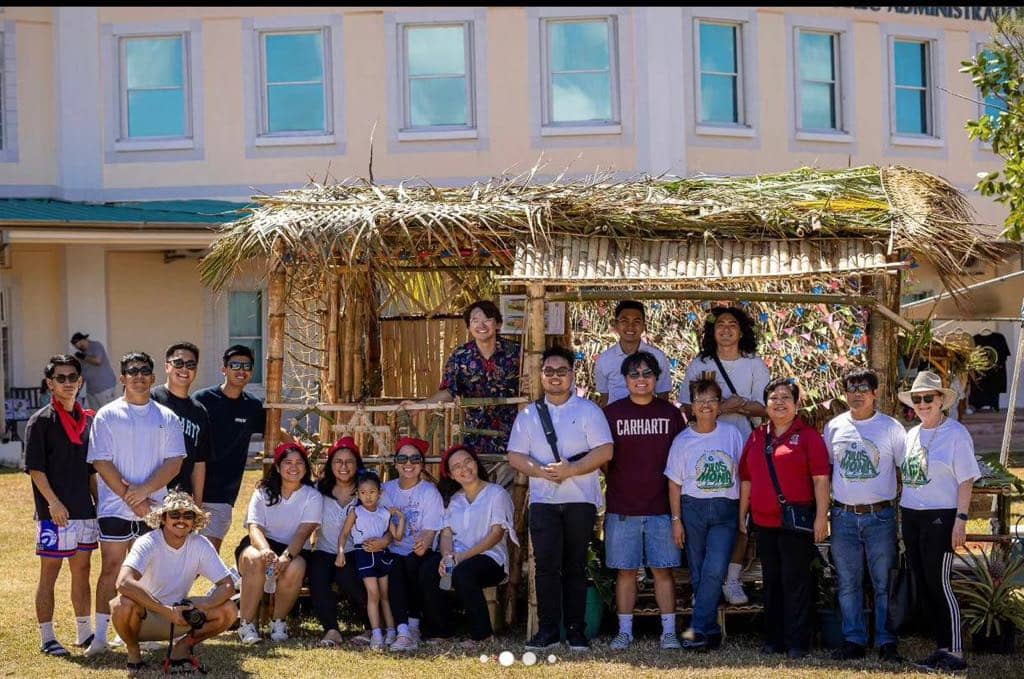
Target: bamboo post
x=348, y=340
x=329, y=380
x=882, y=338
x=275, y=350
x=359, y=332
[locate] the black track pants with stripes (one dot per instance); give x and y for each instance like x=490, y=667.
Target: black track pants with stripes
x=927, y=535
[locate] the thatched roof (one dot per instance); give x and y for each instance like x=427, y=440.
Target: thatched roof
x=358, y=222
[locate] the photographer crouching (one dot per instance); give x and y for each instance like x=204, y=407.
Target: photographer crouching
x=156, y=578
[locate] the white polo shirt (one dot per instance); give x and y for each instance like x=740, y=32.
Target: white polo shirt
x=471, y=521
x=608, y=376
x=168, y=573
x=864, y=455
x=580, y=426
x=281, y=521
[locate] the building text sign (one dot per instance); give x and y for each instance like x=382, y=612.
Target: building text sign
x=965, y=12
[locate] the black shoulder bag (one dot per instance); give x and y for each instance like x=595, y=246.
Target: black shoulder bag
x=725, y=376
x=549, y=432
x=796, y=518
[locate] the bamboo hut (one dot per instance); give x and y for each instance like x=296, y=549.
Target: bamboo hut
x=336, y=254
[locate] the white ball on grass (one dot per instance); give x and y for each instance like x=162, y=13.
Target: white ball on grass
x=484, y=658
x=529, y=658
x=506, y=658
x=552, y=658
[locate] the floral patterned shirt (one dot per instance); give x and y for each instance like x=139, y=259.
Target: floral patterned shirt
x=469, y=374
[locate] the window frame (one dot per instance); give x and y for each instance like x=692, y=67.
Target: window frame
x=122, y=87
x=838, y=91
x=262, y=317
x=979, y=47
x=615, y=87
x=405, y=79
x=928, y=89
x=898, y=143
x=740, y=75
x=263, y=114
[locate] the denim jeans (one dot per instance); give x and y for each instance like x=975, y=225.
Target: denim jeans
x=855, y=536
x=710, y=526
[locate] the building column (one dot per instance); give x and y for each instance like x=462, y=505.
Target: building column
x=85, y=288
x=79, y=127
x=659, y=45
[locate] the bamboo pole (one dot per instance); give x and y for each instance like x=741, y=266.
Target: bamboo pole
x=275, y=349
x=348, y=340
x=533, y=347
x=329, y=381
x=882, y=339
x=793, y=297
x=359, y=327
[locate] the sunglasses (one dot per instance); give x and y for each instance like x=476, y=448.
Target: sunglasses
x=637, y=374
x=927, y=398
x=180, y=363
x=61, y=378
x=551, y=372
x=240, y=365
x=138, y=370
x=408, y=459
x=187, y=515
x=855, y=388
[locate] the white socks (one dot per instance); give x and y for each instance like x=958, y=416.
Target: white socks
x=626, y=623
x=46, y=631
x=668, y=623
x=377, y=634
x=102, y=621
x=403, y=629
x=84, y=625
x=414, y=624
x=734, y=572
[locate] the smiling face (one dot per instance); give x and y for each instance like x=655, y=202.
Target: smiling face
x=135, y=380
x=292, y=467
x=641, y=380
x=182, y=377
x=409, y=462
x=482, y=328
x=862, y=403
x=344, y=465
x=928, y=412
x=67, y=390
x=556, y=376
x=462, y=467
x=630, y=325
x=727, y=331
x=706, y=406
x=179, y=522
x=781, y=406
x=238, y=371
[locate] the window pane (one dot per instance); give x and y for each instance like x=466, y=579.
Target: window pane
x=718, y=99
x=911, y=112
x=436, y=50
x=295, y=108
x=244, y=314
x=154, y=62
x=816, y=56
x=156, y=113
x=437, y=101
x=718, y=48
x=294, y=57
x=817, y=106
x=994, y=106
x=580, y=96
x=910, y=60
x=579, y=45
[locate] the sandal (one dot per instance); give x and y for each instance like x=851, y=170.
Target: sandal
x=327, y=643
x=187, y=665
x=136, y=668
x=87, y=643
x=53, y=647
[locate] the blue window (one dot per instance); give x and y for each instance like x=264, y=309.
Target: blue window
x=154, y=87
x=912, y=87
x=580, y=85
x=993, y=104
x=294, y=87
x=818, y=81
x=245, y=325
x=719, y=73
x=438, y=84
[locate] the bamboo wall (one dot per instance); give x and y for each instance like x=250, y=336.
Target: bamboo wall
x=414, y=352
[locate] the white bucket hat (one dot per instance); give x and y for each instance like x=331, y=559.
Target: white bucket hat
x=927, y=381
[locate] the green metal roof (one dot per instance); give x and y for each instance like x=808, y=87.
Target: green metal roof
x=45, y=210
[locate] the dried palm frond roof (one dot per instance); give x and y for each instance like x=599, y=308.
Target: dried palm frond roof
x=357, y=221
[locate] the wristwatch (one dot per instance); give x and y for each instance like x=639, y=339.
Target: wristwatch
x=961, y=516
x=676, y=518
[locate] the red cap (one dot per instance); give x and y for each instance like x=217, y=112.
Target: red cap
x=344, y=442
x=283, y=449
x=418, y=444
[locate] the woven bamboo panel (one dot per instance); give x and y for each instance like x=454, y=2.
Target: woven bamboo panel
x=571, y=258
x=414, y=352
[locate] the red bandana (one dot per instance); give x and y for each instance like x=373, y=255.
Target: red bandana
x=72, y=427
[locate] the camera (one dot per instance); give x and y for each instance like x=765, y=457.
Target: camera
x=80, y=355
x=193, y=616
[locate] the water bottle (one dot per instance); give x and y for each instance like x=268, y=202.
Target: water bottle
x=446, y=579
x=270, y=584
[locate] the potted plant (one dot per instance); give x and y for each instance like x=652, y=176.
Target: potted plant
x=991, y=608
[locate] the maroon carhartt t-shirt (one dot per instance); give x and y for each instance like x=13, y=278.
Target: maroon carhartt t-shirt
x=642, y=436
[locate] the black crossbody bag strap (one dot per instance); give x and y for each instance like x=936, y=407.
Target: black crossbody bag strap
x=728, y=381
x=548, y=426
x=769, y=451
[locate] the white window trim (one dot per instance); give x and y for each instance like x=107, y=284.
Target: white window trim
x=980, y=41
x=267, y=138
x=259, y=387
x=126, y=142
x=837, y=81
x=936, y=139
x=410, y=132
x=843, y=30
x=547, y=124
x=739, y=75
x=9, y=94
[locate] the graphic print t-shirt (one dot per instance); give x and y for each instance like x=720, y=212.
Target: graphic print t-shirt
x=195, y=423
x=705, y=465
x=864, y=456
x=937, y=462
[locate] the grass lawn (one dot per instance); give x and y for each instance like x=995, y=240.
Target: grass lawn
x=739, y=658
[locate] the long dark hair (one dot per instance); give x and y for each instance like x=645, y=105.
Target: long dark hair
x=325, y=484
x=272, y=484
x=748, y=335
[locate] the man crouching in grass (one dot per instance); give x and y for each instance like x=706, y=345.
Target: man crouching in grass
x=155, y=580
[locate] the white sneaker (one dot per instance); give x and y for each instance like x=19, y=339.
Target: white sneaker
x=248, y=633
x=116, y=641
x=376, y=643
x=361, y=638
x=621, y=642
x=403, y=643
x=669, y=640
x=389, y=637
x=278, y=630
x=733, y=591
x=97, y=647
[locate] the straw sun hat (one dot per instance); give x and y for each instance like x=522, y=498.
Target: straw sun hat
x=178, y=500
x=927, y=381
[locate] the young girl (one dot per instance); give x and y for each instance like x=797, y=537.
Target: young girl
x=368, y=520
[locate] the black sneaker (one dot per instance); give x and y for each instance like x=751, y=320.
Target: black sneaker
x=699, y=642
x=889, y=653
x=576, y=639
x=950, y=663
x=849, y=651
x=929, y=663
x=543, y=640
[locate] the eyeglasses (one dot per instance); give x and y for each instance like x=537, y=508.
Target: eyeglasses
x=138, y=370
x=240, y=365
x=780, y=399
x=187, y=515
x=408, y=459
x=180, y=363
x=706, y=401
x=61, y=378
x=637, y=374
x=551, y=372
x=927, y=398
x=863, y=388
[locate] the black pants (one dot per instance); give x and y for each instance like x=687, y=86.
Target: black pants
x=561, y=534
x=928, y=537
x=323, y=574
x=404, y=590
x=469, y=579
x=788, y=586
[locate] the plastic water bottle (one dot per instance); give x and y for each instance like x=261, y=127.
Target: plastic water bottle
x=270, y=584
x=446, y=579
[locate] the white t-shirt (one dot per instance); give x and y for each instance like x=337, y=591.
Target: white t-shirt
x=281, y=521
x=865, y=455
x=137, y=440
x=937, y=462
x=470, y=522
x=332, y=520
x=580, y=426
x=706, y=465
x=168, y=573
x=748, y=373
x=423, y=509
x=369, y=524
x=608, y=377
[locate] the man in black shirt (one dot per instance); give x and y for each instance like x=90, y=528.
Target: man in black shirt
x=64, y=489
x=182, y=361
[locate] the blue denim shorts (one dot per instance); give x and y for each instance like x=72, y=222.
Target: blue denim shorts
x=638, y=541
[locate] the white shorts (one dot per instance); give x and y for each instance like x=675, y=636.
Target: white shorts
x=220, y=519
x=55, y=542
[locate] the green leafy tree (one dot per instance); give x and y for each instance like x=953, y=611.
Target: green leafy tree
x=998, y=73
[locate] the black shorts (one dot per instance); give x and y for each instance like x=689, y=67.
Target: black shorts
x=372, y=564
x=115, y=529
x=275, y=546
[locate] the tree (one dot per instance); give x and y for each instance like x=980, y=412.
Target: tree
x=998, y=73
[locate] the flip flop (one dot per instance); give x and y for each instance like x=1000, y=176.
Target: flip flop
x=136, y=668
x=327, y=643
x=87, y=642
x=53, y=647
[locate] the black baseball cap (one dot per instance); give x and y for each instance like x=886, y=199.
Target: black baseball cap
x=79, y=336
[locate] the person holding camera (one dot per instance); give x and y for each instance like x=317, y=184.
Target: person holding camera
x=100, y=380
x=154, y=582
